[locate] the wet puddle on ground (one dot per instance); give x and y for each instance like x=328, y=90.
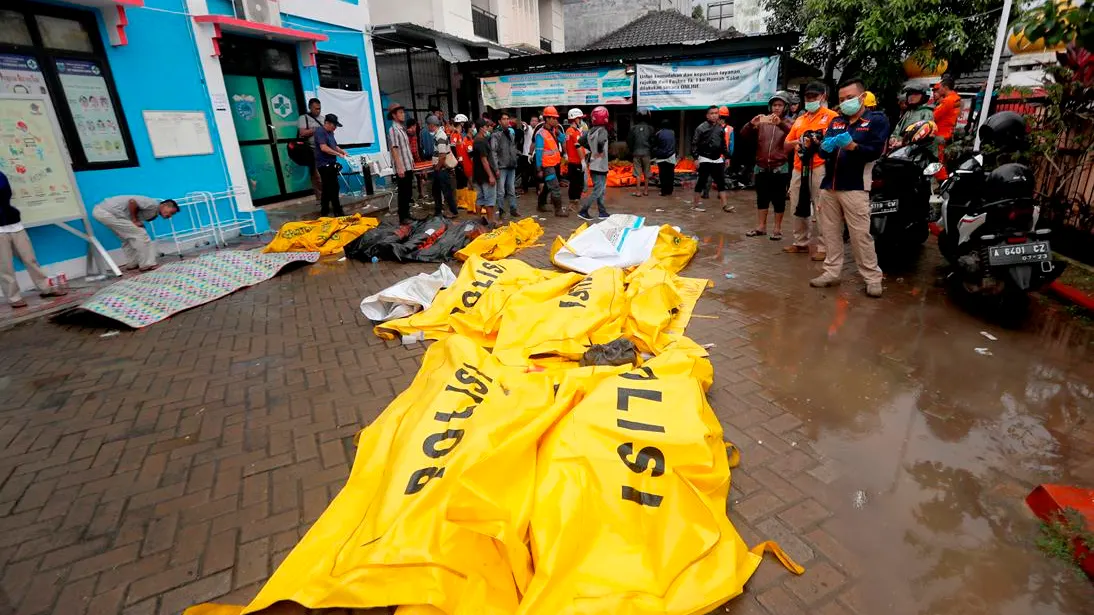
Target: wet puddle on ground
x=933, y=445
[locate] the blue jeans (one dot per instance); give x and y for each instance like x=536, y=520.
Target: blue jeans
x=488, y=195
x=507, y=188
x=600, y=181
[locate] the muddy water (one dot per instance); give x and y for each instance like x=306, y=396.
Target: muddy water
x=930, y=445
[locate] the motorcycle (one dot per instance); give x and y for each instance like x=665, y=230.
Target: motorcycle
x=989, y=222
x=900, y=193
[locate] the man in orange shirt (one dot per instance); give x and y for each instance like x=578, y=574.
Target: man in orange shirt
x=816, y=117
x=947, y=107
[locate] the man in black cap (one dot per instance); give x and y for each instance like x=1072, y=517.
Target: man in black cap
x=326, y=161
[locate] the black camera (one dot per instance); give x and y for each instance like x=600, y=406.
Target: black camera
x=806, y=152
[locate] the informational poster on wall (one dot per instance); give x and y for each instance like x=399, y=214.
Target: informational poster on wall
x=32, y=157
x=702, y=83
x=89, y=101
x=20, y=75
x=604, y=86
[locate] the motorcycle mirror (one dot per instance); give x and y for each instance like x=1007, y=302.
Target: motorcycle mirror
x=932, y=168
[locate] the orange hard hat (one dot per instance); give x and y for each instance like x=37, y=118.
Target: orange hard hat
x=550, y=112
x=723, y=111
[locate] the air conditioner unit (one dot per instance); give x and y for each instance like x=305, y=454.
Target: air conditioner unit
x=259, y=11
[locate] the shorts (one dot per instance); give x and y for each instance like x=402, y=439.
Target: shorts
x=642, y=166
x=716, y=171
x=488, y=195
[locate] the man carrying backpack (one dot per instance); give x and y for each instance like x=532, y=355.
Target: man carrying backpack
x=710, y=149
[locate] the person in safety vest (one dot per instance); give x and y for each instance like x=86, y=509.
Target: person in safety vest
x=548, y=161
x=575, y=156
x=460, y=145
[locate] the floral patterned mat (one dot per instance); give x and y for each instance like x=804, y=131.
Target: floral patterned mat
x=151, y=297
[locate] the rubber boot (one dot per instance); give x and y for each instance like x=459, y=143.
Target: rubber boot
x=561, y=211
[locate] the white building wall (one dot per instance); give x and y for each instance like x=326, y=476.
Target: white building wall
x=518, y=22
x=749, y=17
x=402, y=11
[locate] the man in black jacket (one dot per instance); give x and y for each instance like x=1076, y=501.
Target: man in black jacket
x=711, y=152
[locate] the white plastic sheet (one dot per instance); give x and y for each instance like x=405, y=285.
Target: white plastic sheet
x=620, y=241
x=408, y=296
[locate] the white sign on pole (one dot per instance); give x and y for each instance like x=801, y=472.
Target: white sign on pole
x=702, y=83
x=178, y=133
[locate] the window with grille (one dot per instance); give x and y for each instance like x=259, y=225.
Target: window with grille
x=720, y=14
x=338, y=72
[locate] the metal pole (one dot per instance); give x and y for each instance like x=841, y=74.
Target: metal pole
x=1000, y=40
x=410, y=75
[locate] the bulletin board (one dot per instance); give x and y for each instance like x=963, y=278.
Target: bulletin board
x=33, y=156
x=35, y=160
x=178, y=133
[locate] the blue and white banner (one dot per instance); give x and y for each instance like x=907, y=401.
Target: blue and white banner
x=598, y=86
x=702, y=83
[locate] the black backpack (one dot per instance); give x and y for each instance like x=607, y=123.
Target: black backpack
x=301, y=151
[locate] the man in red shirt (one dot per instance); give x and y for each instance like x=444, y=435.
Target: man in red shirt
x=947, y=107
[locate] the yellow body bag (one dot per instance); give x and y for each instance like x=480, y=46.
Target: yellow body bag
x=326, y=235
x=503, y=241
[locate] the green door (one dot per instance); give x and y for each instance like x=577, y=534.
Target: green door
x=265, y=97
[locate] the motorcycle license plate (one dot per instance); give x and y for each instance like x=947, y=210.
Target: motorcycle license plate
x=883, y=207
x=1019, y=253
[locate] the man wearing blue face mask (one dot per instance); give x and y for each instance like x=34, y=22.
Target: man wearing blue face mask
x=852, y=143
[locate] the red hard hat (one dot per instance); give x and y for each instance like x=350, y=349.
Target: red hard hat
x=599, y=116
x=550, y=112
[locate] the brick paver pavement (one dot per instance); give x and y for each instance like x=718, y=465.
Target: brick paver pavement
x=155, y=469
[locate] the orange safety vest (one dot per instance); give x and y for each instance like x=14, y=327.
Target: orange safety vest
x=573, y=150
x=552, y=157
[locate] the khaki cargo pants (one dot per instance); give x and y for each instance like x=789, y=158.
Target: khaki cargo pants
x=136, y=243
x=852, y=206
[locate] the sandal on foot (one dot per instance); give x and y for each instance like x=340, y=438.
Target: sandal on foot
x=755, y=233
x=776, y=236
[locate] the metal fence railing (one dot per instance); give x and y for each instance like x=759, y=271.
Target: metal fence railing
x=484, y=23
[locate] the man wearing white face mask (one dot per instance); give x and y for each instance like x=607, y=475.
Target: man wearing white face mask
x=851, y=144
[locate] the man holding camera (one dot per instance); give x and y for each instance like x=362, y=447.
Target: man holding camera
x=805, y=137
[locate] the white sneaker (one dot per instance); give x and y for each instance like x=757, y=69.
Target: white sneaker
x=824, y=280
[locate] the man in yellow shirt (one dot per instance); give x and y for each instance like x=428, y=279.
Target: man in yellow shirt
x=815, y=119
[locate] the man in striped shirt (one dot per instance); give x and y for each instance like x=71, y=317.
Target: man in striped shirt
x=402, y=159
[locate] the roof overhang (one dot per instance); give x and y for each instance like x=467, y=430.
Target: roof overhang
x=227, y=23
x=400, y=36
x=583, y=58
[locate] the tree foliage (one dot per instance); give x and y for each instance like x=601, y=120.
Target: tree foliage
x=697, y=12
x=1058, y=22
x=873, y=37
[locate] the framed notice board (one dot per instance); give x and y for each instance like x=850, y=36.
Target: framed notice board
x=178, y=133
x=34, y=158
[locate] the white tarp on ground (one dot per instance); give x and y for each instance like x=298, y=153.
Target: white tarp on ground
x=408, y=296
x=619, y=241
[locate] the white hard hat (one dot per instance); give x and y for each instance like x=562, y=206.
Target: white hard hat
x=460, y=118
x=574, y=114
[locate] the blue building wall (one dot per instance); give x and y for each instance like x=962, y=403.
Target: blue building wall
x=159, y=69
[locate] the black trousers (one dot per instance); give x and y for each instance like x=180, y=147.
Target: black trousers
x=405, y=185
x=442, y=187
x=576, y=176
x=771, y=190
x=666, y=174
x=527, y=171
x=461, y=178
x=328, y=201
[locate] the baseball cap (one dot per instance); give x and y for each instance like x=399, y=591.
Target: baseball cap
x=333, y=119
